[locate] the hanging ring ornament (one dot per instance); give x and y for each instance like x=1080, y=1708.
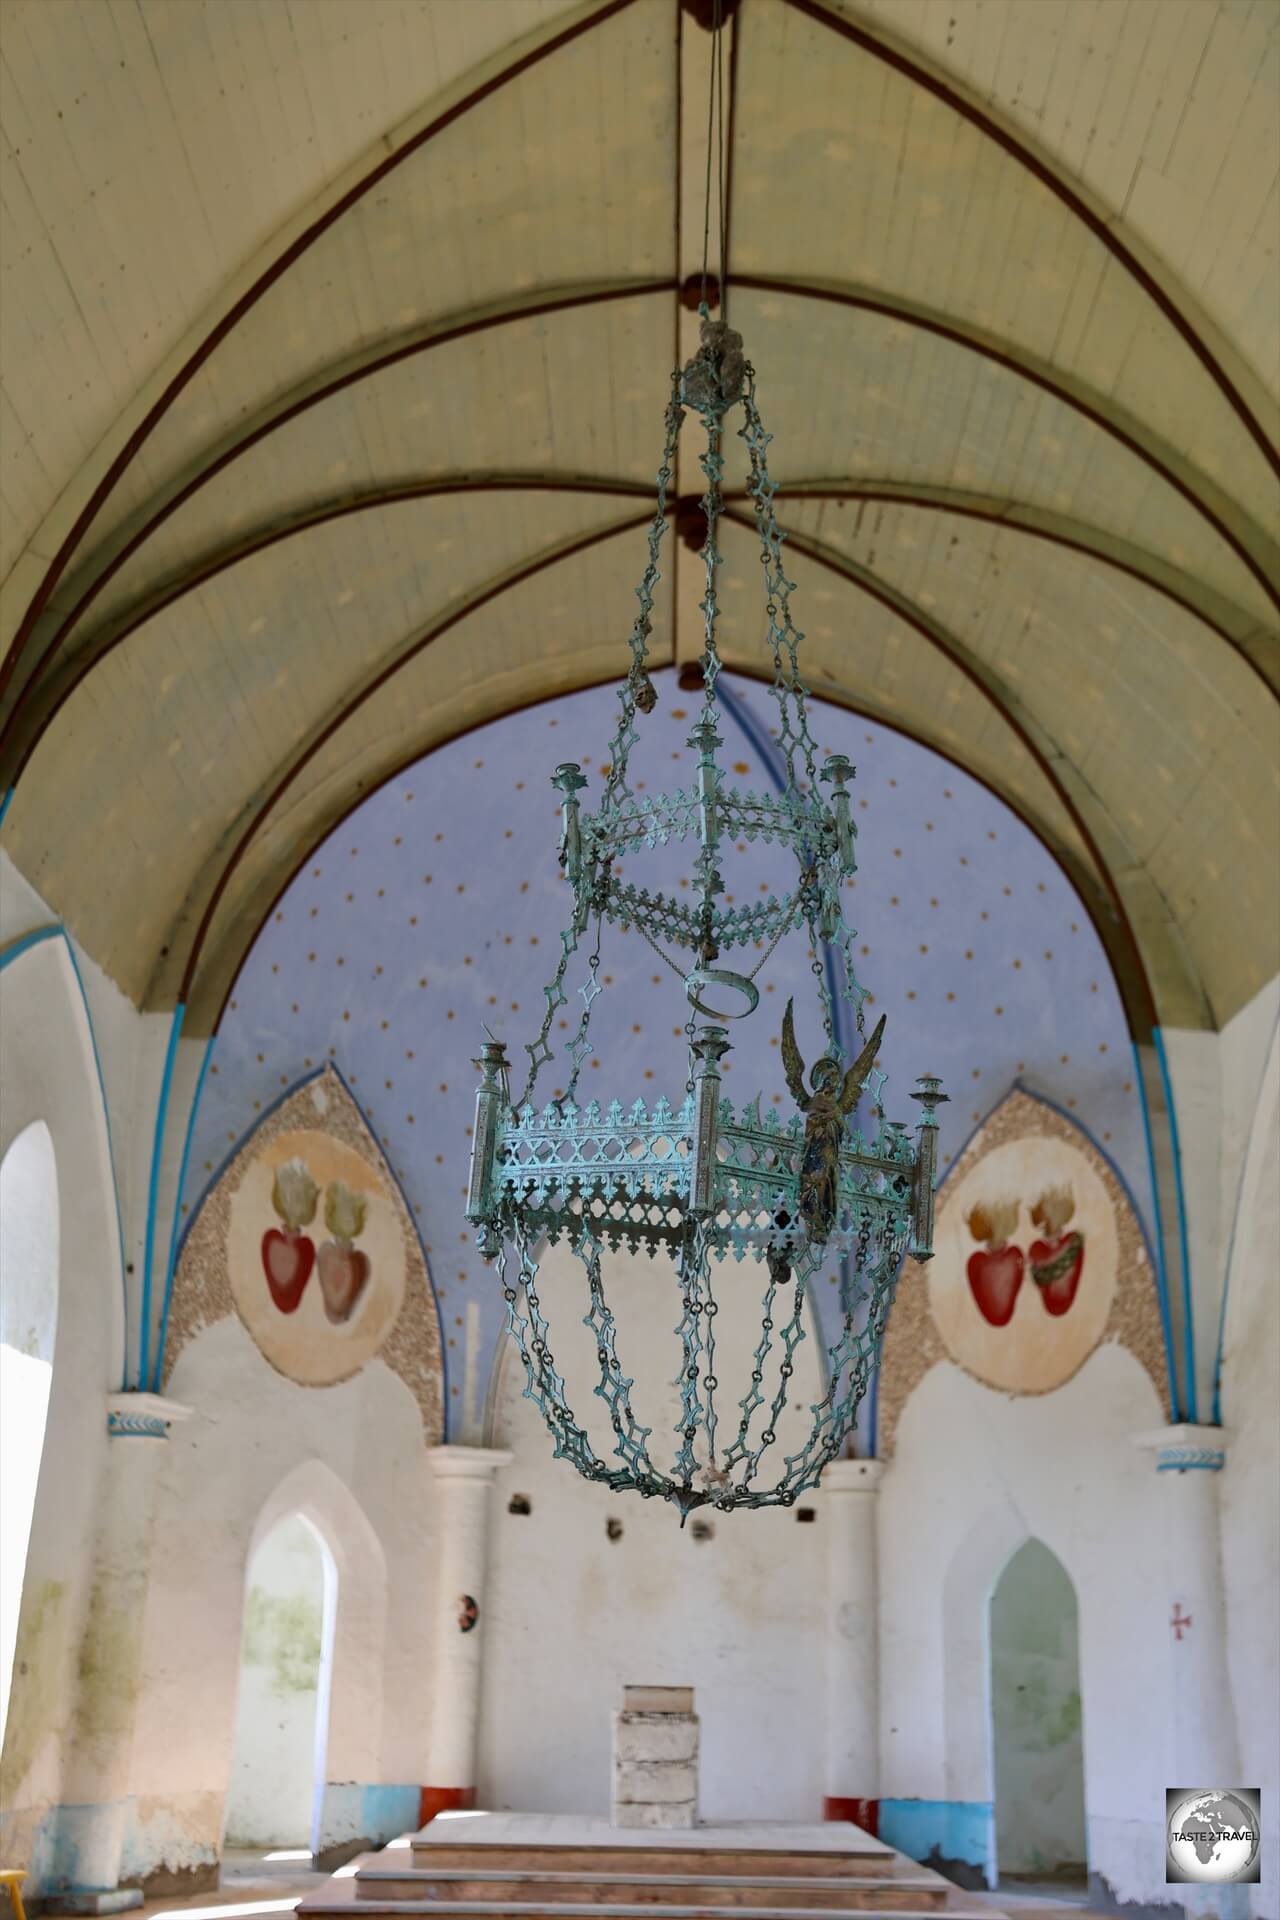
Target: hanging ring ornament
x=702, y=978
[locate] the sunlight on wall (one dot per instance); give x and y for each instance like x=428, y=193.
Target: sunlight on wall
x=282, y=1712
x=28, y=1318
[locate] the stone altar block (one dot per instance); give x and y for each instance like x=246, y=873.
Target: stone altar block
x=655, y=1758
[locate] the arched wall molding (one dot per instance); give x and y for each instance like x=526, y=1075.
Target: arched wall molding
x=314, y=1490
x=52, y=1074
x=40, y=1089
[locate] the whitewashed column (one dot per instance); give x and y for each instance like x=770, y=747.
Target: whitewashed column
x=92, y=1820
x=849, y=1489
x=464, y=1476
x=1188, y=1462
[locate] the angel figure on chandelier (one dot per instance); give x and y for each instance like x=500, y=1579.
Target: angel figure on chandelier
x=833, y=1098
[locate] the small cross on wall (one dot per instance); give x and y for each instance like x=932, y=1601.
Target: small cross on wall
x=1180, y=1619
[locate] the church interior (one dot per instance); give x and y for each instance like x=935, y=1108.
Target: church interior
x=529, y=525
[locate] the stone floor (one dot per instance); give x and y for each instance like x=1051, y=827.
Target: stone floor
x=252, y=1884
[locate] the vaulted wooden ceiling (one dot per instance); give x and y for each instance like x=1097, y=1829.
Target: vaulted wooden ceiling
x=336, y=342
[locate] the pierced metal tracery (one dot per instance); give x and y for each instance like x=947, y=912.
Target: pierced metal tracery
x=701, y=1183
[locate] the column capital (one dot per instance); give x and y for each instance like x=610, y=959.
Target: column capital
x=851, y=1476
x=467, y=1463
x=142, y=1416
x=1182, y=1448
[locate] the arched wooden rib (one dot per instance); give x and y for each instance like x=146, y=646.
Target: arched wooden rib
x=1134, y=987
x=250, y=298
x=1026, y=156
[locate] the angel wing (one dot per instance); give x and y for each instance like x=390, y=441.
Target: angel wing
x=856, y=1078
x=793, y=1065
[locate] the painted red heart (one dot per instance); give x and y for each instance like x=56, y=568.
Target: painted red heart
x=994, y=1277
x=344, y=1274
x=1056, y=1267
x=287, y=1260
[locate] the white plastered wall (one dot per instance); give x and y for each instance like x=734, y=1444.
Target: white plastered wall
x=1216, y=1079
x=974, y=1474
x=351, y=1458
x=1249, y=1488
x=131, y=1050
x=50, y=1074
x=574, y=1616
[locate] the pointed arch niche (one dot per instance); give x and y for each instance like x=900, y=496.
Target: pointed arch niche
x=305, y=1236
x=1037, y=1745
x=313, y=1648
x=276, y=1790
x=1039, y=1259
x=1016, y=1369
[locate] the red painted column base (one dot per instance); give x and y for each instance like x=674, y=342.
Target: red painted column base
x=863, y=1813
x=434, y=1800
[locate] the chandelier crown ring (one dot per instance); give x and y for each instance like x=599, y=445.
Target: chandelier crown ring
x=720, y=979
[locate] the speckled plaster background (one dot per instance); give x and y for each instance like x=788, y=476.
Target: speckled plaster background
x=202, y=1292
x=437, y=906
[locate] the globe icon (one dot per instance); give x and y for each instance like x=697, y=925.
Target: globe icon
x=1213, y=1837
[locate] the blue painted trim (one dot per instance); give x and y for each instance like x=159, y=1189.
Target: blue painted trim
x=1231, y=1241
x=288, y=1093
x=26, y=941
x=111, y=1157
x=153, y=1190
x=1162, y=1274
x=172, y=1261
x=13, y=952
x=1188, y=1329
x=4, y=804
x=1074, y=1120
x=354, y=1810
x=950, y=1829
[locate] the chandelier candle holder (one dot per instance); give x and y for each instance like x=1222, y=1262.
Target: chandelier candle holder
x=704, y=1183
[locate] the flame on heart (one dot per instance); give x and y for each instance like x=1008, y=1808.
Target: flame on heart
x=992, y=1222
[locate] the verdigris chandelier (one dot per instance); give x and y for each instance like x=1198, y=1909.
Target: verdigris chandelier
x=703, y=1184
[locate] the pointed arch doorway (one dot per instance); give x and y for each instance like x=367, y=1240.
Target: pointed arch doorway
x=1036, y=1722
x=276, y=1788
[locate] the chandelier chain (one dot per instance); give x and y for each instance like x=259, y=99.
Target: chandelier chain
x=707, y=1184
